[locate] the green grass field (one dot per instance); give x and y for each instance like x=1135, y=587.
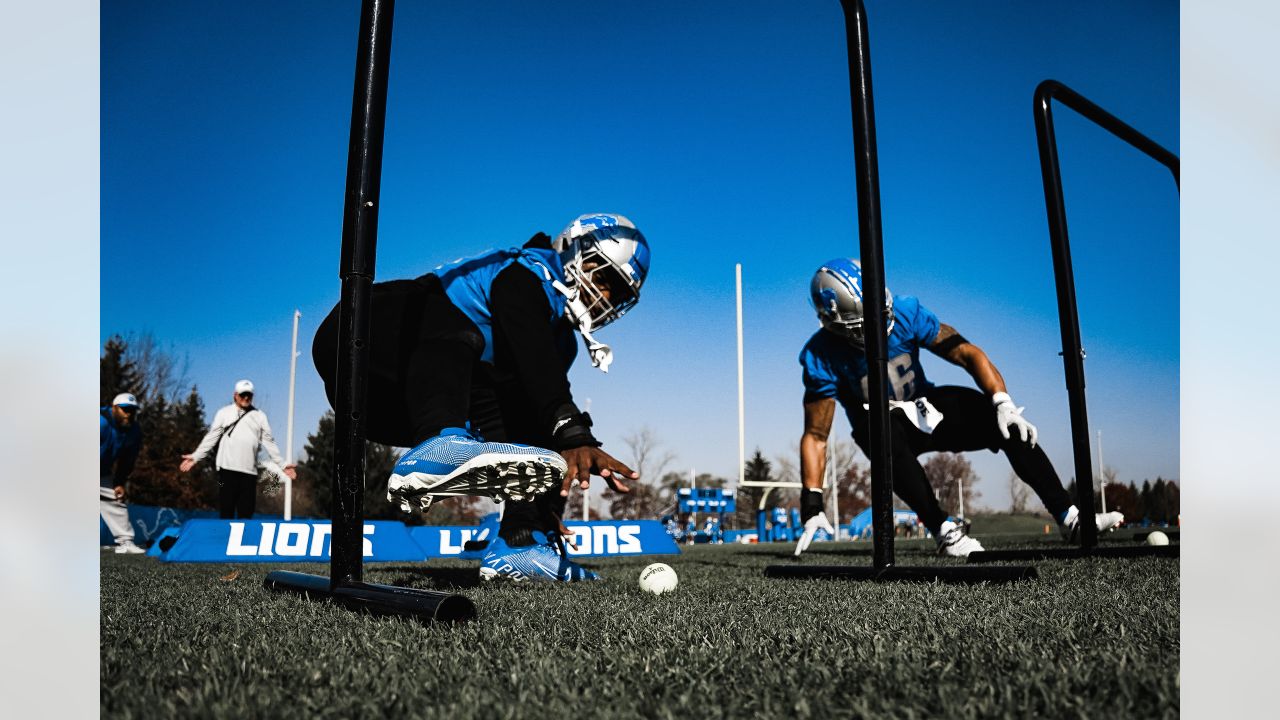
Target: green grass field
x=1093, y=638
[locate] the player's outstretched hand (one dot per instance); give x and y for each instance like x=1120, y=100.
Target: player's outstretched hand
x=584, y=462
x=811, y=528
x=186, y=464
x=1009, y=415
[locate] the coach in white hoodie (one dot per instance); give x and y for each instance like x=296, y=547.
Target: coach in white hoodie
x=239, y=430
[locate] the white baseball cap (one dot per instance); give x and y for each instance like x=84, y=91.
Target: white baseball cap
x=244, y=386
x=126, y=400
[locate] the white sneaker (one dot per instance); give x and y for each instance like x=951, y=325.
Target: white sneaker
x=953, y=542
x=811, y=528
x=127, y=547
x=1070, y=528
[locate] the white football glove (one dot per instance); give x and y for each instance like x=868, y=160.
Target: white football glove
x=1008, y=414
x=811, y=528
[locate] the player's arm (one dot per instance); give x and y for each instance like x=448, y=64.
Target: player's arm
x=124, y=466
x=951, y=346
x=818, y=415
x=206, y=443
x=522, y=313
x=954, y=348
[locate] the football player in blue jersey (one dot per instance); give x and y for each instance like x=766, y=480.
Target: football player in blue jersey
x=924, y=417
x=472, y=358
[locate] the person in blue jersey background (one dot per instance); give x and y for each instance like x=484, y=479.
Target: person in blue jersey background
x=469, y=367
x=924, y=417
x=119, y=441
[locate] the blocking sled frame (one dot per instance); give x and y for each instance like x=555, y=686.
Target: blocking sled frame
x=345, y=585
x=1073, y=354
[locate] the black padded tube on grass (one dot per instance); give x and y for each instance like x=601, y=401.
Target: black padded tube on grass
x=381, y=600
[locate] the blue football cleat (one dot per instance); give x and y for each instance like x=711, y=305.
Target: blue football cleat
x=540, y=562
x=454, y=463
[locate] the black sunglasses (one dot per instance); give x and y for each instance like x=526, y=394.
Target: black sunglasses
x=245, y=395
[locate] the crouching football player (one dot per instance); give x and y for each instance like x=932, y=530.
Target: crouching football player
x=924, y=417
x=468, y=366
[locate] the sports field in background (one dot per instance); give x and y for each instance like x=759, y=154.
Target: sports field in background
x=1091, y=638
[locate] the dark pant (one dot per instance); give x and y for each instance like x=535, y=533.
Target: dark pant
x=968, y=423
x=423, y=352
x=425, y=374
x=237, y=494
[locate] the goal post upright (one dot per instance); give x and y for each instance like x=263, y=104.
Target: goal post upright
x=742, y=435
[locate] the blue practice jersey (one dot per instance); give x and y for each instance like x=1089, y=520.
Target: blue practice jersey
x=834, y=368
x=117, y=449
x=468, y=283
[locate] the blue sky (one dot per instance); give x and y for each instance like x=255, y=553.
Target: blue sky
x=721, y=129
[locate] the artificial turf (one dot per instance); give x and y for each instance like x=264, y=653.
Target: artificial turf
x=1089, y=638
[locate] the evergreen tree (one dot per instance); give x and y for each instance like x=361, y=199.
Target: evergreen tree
x=117, y=373
x=315, y=469
x=1123, y=498
x=1158, y=510
x=1144, y=502
x=757, y=469
x=171, y=425
x=1172, y=502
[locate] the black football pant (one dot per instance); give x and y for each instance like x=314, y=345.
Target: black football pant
x=423, y=352
x=425, y=374
x=968, y=423
x=237, y=494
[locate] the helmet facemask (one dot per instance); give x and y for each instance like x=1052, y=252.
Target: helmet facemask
x=606, y=260
x=851, y=329
x=604, y=293
x=836, y=294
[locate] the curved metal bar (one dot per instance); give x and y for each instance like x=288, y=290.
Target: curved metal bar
x=1068, y=315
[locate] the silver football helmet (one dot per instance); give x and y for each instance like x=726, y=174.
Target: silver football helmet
x=606, y=260
x=836, y=294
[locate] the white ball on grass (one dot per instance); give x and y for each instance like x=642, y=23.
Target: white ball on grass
x=658, y=578
x=1157, y=538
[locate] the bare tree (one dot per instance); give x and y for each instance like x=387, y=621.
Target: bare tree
x=163, y=374
x=1019, y=494
x=853, y=483
x=841, y=455
x=647, y=456
x=644, y=501
x=946, y=473
x=786, y=469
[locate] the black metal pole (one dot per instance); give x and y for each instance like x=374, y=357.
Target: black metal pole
x=870, y=247
x=1068, y=316
x=359, y=241
x=867, y=171
x=1069, y=324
